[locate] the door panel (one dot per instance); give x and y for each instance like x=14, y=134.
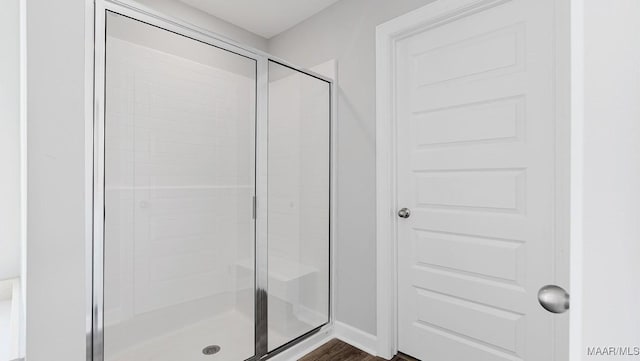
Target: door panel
x=298, y=210
x=475, y=112
x=179, y=181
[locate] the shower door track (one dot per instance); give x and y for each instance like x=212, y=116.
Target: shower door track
x=95, y=213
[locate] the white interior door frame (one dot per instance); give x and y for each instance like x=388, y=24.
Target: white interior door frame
x=388, y=34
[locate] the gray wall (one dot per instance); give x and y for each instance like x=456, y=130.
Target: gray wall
x=9, y=139
x=346, y=32
x=611, y=174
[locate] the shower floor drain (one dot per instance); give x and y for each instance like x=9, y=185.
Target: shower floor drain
x=211, y=350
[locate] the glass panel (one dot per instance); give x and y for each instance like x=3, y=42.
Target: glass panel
x=298, y=191
x=180, y=169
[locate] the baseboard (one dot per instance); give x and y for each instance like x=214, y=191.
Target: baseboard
x=356, y=337
x=349, y=334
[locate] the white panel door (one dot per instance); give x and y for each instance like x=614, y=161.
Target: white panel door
x=475, y=162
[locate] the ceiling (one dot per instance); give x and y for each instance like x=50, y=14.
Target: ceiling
x=263, y=17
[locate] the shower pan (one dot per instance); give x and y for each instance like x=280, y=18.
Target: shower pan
x=212, y=195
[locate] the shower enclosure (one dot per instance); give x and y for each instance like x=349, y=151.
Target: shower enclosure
x=211, y=234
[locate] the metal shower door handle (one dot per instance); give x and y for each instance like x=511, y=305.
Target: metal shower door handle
x=404, y=213
x=554, y=299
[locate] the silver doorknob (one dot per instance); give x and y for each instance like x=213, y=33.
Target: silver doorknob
x=554, y=299
x=404, y=213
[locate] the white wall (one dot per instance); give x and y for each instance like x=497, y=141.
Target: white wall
x=611, y=179
x=56, y=265
x=346, y=32
x=9, y=139
x=186, y=13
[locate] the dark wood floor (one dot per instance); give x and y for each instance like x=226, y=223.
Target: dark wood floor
x=336, y=350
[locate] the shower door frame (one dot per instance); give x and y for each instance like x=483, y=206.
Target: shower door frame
x=96, y=209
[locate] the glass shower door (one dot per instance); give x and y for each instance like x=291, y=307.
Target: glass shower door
x=298, y=209
x=179, y=234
